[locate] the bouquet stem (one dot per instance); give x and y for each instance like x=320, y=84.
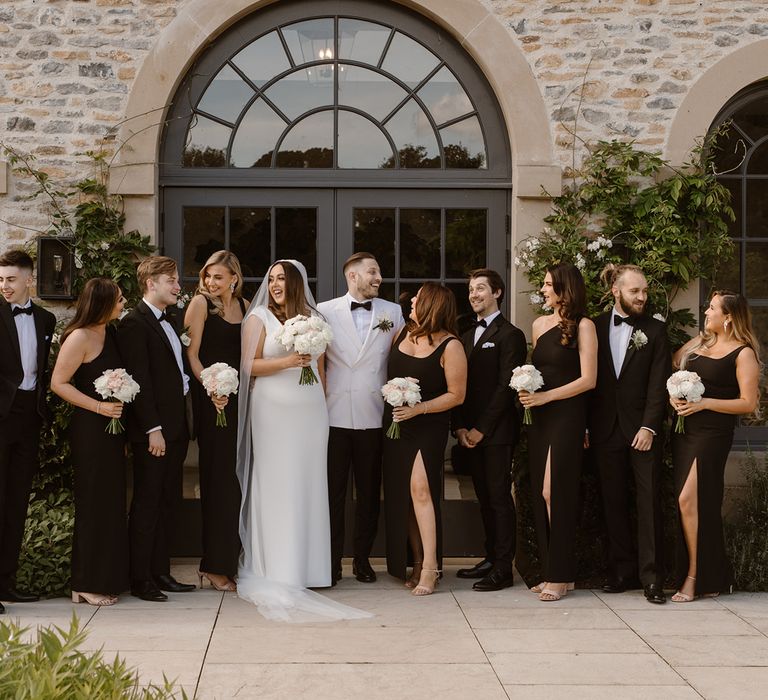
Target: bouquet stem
x=308, y=376
x=114, y=427
x=527, y=417
x=221, y=419
x=680, y=425
x=394, y=431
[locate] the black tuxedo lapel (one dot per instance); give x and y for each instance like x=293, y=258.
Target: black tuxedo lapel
x=7, y=316
x=603, y=328
x=486, y=335
x=631, y=349
x=154, y=324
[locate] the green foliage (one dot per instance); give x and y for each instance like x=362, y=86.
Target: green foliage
x=51, y=667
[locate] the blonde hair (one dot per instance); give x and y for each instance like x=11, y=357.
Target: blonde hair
x=612, y=273
x=229, y=260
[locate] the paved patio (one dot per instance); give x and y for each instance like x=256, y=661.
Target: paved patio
x=454, y=644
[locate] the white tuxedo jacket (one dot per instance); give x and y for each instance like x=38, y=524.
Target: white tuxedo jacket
x=355, y=371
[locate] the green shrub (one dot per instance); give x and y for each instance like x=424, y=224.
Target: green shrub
x=52, y=668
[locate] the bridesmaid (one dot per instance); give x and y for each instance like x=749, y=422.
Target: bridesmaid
x=100, y=544
x=213, y=318
x=726, y=357
x=565, y=352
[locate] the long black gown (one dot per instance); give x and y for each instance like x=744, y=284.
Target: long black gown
x=707, y=439
x=219, y=487
x=427, y=433
x=557, y=426
x=100, y=543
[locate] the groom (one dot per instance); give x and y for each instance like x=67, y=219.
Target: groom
x=628, y=407
x=355, y=370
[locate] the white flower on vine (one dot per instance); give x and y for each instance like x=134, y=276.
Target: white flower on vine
x=580, y=262
x=104, y=245
x=78, y=261
x=600, y=254
x=517, y=261
x=659, y=317
x=536, y=298
x=529, y=264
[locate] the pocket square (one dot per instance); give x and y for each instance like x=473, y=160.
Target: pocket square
x=488, y=345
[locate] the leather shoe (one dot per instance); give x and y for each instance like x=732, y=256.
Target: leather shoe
x=166, y=582
x=479, y=570
x=13, y=596
x=654, y=593
x=147, y=590
x=495, y=581
x=363, y=571
x=619, y=585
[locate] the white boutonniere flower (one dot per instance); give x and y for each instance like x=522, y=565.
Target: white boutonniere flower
x=638, y=339
x=384, y=324
x=184, y=337
x=182, y=299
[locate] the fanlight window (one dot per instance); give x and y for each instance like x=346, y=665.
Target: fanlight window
x=335, y=93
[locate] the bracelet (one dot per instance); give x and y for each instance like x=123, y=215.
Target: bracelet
x=425, y=408
x=98, y=408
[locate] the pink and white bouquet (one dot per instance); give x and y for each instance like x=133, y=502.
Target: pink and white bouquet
x=306, y=335
x=685, y=386
x=220, y=380
x=526, y=378
x=399, y=392
x=116, y=385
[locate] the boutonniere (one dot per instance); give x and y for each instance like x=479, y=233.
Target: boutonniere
x=638, y=339
x=384, y=324
x=182, y=300
x=184, y=337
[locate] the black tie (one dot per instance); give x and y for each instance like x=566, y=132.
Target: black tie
x=22, y=310
x=481, y=322
x=618, y=320
x=163, y=317
x=361, y=305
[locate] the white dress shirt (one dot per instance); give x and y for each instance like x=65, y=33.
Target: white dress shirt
x=480, y=329
x=175, y=343
x=361, y=317
x=619, y=340
x=25, y=328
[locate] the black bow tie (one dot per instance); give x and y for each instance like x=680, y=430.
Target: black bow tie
x=481, y=322
x=618, y=320
x=361, y=305
x=22, y=310
x=163, y=317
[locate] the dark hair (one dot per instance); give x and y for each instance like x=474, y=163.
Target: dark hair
x=436, y=311
x=295, y=300
x=568, y=284
x=95, y=304
x=17, y=258
x=356, y=258
x=153, y=267
x=494, y=279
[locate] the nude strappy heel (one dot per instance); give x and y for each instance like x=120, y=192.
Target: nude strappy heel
x=422, y=589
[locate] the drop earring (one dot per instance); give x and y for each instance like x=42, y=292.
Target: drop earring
x=232, y=287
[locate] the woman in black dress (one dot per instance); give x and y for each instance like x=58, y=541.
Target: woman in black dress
x=565, y=352
x=726, y=357
x=100, y=544
x=413, y=464
x=213, y=318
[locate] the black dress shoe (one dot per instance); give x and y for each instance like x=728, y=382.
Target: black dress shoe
x=166, y=582
x=495, y=581
x=479, y=570
x=13, y=596
x=654, y=593
x=363, y=571
x=147, y=590
x=619, y=585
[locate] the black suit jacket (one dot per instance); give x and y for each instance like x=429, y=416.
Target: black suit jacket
x=149, y=359
x=637, y=398
x=489, y=404
x=11, y=370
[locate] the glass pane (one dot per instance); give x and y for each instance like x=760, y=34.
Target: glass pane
x=256, y=137
x=369, y=91
x=465, y=316
x=310, y=41
x=303, y=90
x=226, y=96
x=262, y=59
x=758, y=160
x=463, y=145
x=362, y=144
x=309, y=144
x=375, y=233
x=444, y=97
x=757, y=209
x=734, y=187
x=420, y=243
x=250, y=238
x=408, y=60
x=760, y=326
x=203, y=235
x=296, y=236
x=362, y=41
x=207, y=143
x=465, y=236
x=387, y=291
x=730, y=151
x=753, y=118
x=414, y=137
x=756, y=272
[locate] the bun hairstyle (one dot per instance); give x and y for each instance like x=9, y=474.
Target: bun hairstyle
x=612, y=273
x=568, y=284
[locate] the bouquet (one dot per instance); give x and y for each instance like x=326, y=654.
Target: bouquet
x=307, y=335
x=526, y=378
x=118, y=386
x=220, y=380
x=399, y=392
x=686, y=386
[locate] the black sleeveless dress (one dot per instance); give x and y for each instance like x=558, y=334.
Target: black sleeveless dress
x=219, y=487
x=707, y=439
x=558, y=429
x=426, y=433
x=100, y=543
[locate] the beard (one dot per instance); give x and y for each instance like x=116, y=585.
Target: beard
x=628, y=309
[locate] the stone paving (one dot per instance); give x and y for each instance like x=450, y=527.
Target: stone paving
x=455, y=644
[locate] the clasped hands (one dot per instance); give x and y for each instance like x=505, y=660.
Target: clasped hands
x=469, y=438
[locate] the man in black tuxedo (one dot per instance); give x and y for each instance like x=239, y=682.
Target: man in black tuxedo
x=487, y=425
x=151, y=349
x=26, y=331
x=628, y=407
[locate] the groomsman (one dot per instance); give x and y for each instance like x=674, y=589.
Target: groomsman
x=488, y=426
x=151, y=350
x=628, y=407
x=26, y=331
x=355, y=370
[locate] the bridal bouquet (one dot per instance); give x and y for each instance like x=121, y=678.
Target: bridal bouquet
x=118, y=386
x=399, y=392
x=526, y=378
x=220, y=380
x=685, y=386
x=307, y=335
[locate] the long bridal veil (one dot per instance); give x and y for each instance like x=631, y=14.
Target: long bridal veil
x=287, y=601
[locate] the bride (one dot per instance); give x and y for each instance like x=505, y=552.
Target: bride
x=282, y=448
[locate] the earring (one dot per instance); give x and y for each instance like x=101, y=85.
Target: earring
x=232, y=287
x=725, y=325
